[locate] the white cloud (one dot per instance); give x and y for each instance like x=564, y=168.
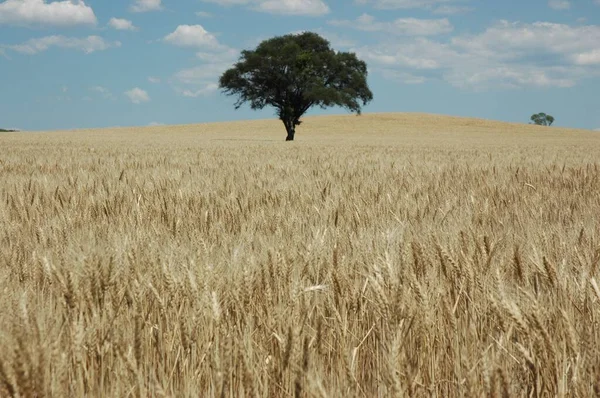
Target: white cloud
x=99, y=89
x=418, y=55
x=404, y=4
x=286, y=7
x=403, y=77
x=40, y=12
x=336, y=40
x=294, y=7
x=146, y=5
x=504, y=55
x=153, y=79
x=540, y=39
x=88, y=44
x=216, y=57
x=452, y=10
x=401, y=26
x=121, y=24
x=192, y=36
x=200, y=75
x=226, y=56
x=137, y=95
x=559, y=4
x=206, y=90
x=204, y=14
x=198, y=81
x=440, y=7
x=103, y=91
x=588, y=58
x=153, y=124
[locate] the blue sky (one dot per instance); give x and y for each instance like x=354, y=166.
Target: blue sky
x=102, y=63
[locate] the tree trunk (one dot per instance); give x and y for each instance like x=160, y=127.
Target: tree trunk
x=290, y=134
x=291, y=130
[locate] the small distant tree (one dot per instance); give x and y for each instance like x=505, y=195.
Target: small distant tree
x=295, y=72
x=541, y=119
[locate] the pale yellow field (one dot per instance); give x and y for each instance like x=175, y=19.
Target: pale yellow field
x=382, y=255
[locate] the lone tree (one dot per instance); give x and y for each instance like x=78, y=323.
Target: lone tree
x=295, y=72
x=541, y=119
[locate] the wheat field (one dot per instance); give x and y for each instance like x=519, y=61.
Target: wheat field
x=386, y=255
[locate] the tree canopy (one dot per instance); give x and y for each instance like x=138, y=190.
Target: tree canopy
x=295, y=72
x=541, y=119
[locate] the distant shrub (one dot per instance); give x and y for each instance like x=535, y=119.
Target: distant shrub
x=541, y=119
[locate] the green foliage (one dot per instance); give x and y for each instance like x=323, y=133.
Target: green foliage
x=295, y=72
x=541, y=119
x=7, y=131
